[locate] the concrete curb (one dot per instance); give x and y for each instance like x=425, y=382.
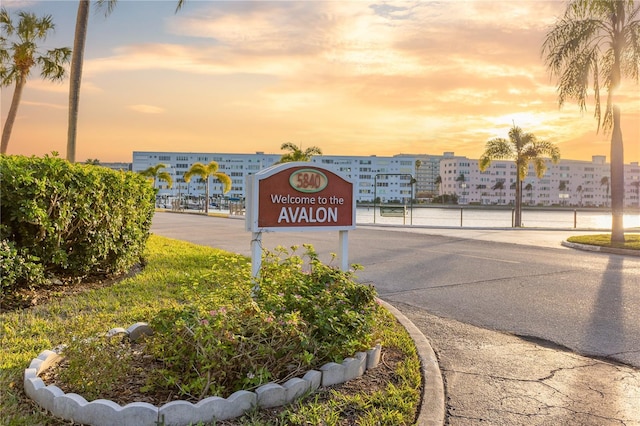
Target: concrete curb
x=432, y=407
x=600, y=249
x=101, y=412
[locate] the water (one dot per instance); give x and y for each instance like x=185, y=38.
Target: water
x=497, y=218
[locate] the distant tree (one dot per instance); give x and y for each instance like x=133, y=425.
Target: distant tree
x=499, y=187
x=438, y=182
x=579, y=190
x=529, y=188
x=562, y=187
x=446, y=198
x=92, y=161
x=211, y=169
x=605, y=182
x=636, y=183
x=75, y=78
x=156, y=173
x=525, y=149
x=297, y=154
x=597, y=43
x=17, y=58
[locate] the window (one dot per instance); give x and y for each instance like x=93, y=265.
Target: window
x=164, y=158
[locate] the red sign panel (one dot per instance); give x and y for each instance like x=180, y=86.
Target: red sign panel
x=305, y=196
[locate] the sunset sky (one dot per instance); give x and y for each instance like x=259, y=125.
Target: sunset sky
x=352, y=77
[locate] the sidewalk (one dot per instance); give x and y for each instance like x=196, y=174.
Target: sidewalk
x=542, y=237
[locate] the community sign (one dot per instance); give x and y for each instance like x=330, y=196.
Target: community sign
x=299, y=197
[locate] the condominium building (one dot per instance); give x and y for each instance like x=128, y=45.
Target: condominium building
x=567, y=183
x=403, y=177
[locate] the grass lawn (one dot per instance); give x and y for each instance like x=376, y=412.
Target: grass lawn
x=171, y=267
x=632, y=241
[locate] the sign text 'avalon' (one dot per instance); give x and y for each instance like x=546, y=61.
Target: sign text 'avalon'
x=305, y=196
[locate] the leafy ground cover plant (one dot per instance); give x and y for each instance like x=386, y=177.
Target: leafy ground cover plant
x=177, y=278
x=305, y=314
x=338, y=310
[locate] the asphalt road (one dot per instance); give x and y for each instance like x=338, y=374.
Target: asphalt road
x=587, y=302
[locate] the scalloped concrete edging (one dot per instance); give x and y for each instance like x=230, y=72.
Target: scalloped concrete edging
x=102, y=412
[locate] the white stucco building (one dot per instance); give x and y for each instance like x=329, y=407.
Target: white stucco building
x=567, y=183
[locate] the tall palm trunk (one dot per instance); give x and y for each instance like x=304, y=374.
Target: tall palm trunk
x=76, y=76
x=13, y=112
x=617, y=148
x=617, y=179
x=518, y=215
x=206, y=197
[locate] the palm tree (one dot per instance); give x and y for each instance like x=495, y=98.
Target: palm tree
x=297, y=154
x=597, y=42
x=75, y=77
x=461, y=179
x=211, y=169
x=529, y=188
x=580, y=190
x=155, y=173
x=498, y=186
x=438, y=183
x=561, y=188
x=605, y=182
x=526, y=149
x=636, y=183
x=22, y=55
x=418, y=164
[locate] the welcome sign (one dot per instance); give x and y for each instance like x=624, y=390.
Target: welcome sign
x=297, y=197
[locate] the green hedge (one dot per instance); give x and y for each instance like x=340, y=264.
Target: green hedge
x=72, y=219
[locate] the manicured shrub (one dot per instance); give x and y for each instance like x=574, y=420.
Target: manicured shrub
x=304, y=314
x=338, y=309
x=226, y=349
x=16, y=265
x=75, y=219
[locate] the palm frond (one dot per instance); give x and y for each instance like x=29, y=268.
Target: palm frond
x=225, y=180
x=107, y=5
x=165, y=176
